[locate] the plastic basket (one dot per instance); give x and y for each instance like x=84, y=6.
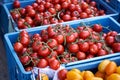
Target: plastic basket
x=115, y=4
x=13, y=25
x=16, y=69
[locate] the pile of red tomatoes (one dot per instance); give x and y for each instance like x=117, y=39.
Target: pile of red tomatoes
x=43, y=12
x=63, y=44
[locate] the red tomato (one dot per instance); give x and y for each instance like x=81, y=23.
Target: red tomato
x=110, y=40
x=93, y=49
x=53, y=20
x=51, y=32
x=31, y=13
x=29, y=20
x=72, y=7
x=49, y=59
x=42, y=63
x=84, y=47
x=64, y=61
x=22, y=11
x=83, y=15
x=25, y=41
x=62, y=74
x=34, y=55
x=70, y=38
x=58, y=7
x=52, y=10
x=18, y=47
x=37, y=37
x=36, y=45
x=93, y=3
x=73, y=48
x=75, y=14
x=59, y=38
x=88, y=11
x=28, y=7
x=16, y=4
x=24, y=59
x=99, y=45
x=84, y=34
x=44, y=52
x=24, y=33
x=55, y=1
x=66, y=17
x=60, y=49
x=102, y=52
x=52, y=43
x=81, y=55
x=41, y=8
x=97, y=28
x=116, y=47
x=35, y=5
x=65, y=5
x=84, y=5
x=54, y=64
x=89, y=56
x=47, y=5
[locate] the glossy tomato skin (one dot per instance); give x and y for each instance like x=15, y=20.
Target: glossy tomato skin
x=16, y=4
x=24, y=59
x=80, y=55
x=70, y=38
x=84, y=47
x=110, y=40
x=102, y=52
x=97, y=28
x=93, y=49
x=44, y=52
x=84, y=34
x=59, y=38
x=54, y=64
x=42, y=63
x=116, y=47
x=66, y=17
x=25, y=41
x=62, y=74
x=60, y=49
x=36, y=45
x=52, y=43
x=73, y=48
x=18, y=47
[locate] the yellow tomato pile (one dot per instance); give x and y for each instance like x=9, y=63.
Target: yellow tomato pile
x=107, y=70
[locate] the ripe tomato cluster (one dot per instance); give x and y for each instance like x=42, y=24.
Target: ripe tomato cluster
x=43, y=12
x=63, y=44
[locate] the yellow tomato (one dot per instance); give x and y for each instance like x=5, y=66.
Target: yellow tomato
x=71, y=75
x=114, y=76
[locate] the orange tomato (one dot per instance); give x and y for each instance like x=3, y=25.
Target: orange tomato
x=87, y=75
x=114, y=76
x=100, y=74
x=111, y=68
x=102, y=66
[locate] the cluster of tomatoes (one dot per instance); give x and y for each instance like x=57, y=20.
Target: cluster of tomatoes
x=63, y=44
x=43, y=12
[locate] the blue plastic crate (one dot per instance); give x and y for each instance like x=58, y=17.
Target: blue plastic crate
x=16, y=69
x=7, y=1
x=115, y=4
x=10, y=24
x=93, y=66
